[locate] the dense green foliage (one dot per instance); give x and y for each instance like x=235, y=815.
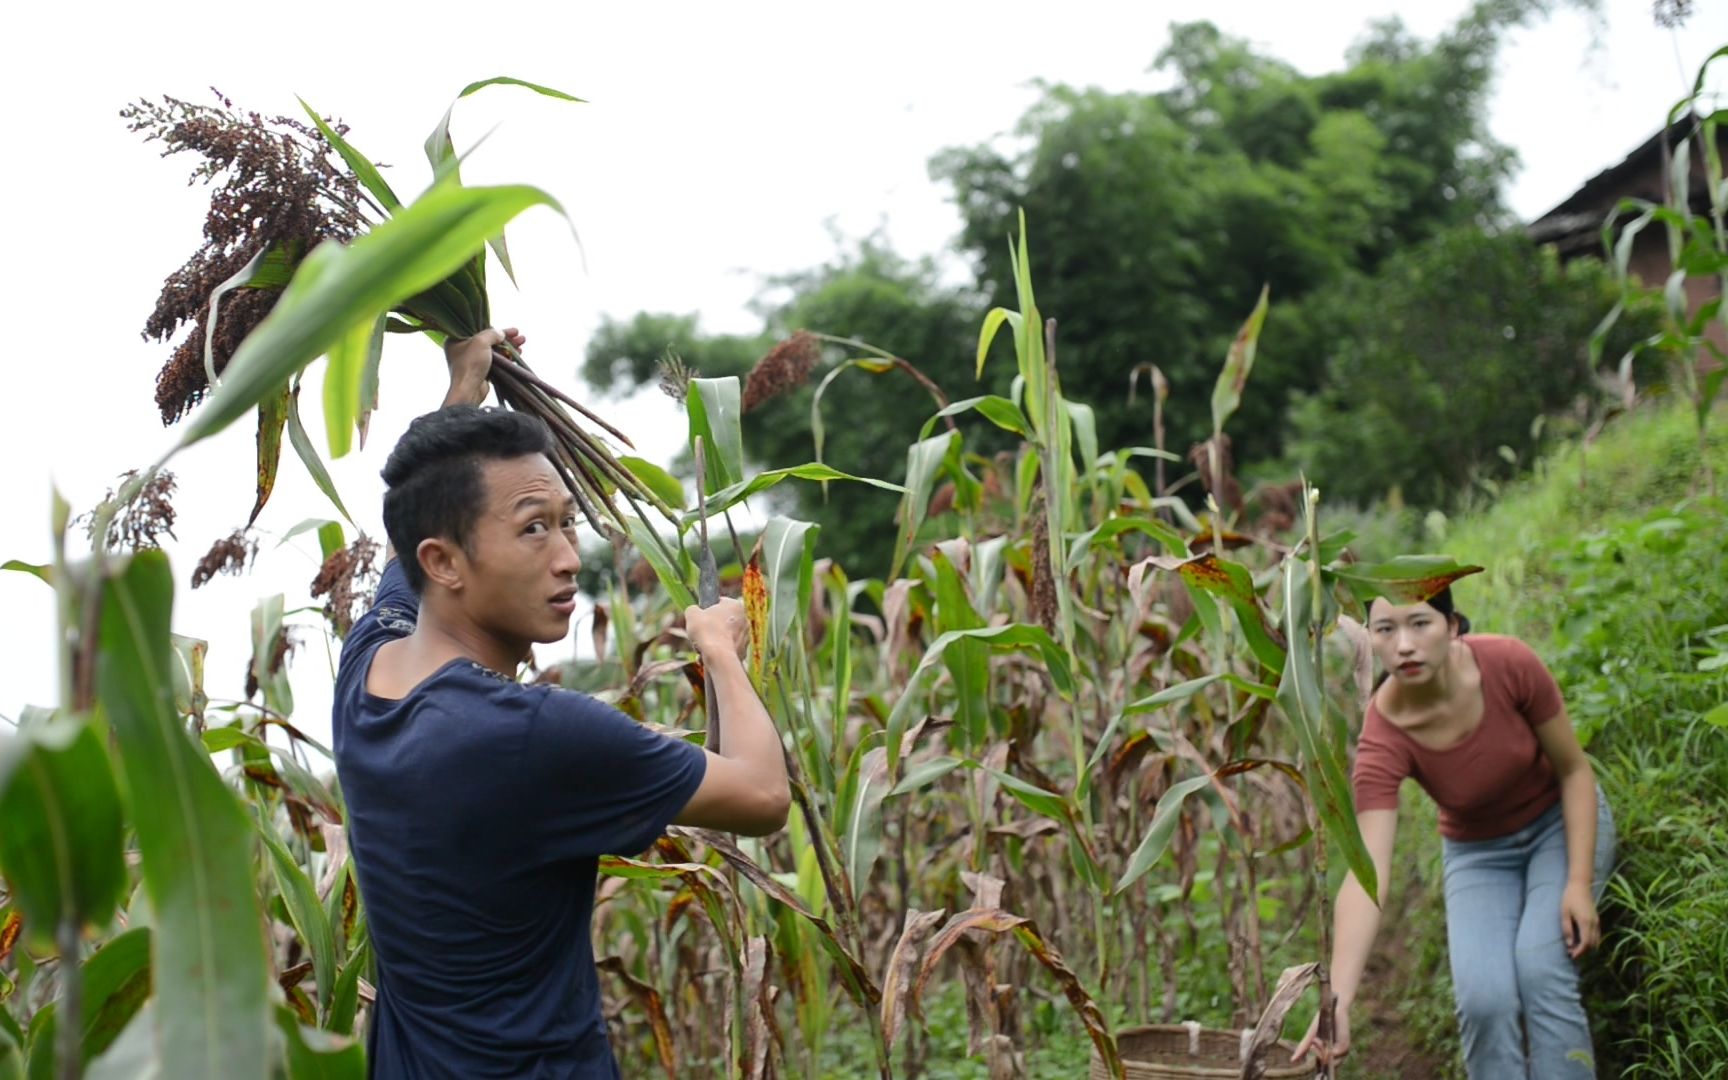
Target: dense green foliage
x=1607, y=560
x=1619, y=582
x=1167, y=211
x=1438, y=365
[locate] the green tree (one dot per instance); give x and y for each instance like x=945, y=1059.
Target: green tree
x=1444, y=357
x=625, y=354
x=1159, y=216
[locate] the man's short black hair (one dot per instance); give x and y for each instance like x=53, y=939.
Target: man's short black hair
x=434, y=486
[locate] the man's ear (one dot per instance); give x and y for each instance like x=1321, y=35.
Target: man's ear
x=443, y=562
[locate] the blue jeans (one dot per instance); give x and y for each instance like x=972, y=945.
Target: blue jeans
x=1510, y=968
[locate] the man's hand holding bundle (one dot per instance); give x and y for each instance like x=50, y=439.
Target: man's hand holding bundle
x=470, y=359
x=720, y=630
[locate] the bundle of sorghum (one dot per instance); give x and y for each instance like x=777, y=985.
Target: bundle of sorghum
x=276, y=187
x=279, y=188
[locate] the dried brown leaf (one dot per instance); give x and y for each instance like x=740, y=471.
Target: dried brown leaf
x=998, y=921
x=1292, y=984
x=649, y=999
x=896, y=978
x=857, y=976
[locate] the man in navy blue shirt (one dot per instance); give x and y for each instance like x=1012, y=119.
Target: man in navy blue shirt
x=478, y=806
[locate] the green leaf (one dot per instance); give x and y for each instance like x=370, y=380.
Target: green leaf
x=994, y=408
x=968, y=662
x=656, y=479
x=788, y=558
x=305, y=526
x=874, y=365
x=1718, y=717
x=239, y=279
x=840, y=632
x=301, y=899
x=42, y=571
x=330, y=539
x=60, y=848
x=1015, y=636
x=1233, y=379
x=1167, y=696
x=358, y=164
x=1303, y=702
x=715, y=409
x=338, y=288
x=344, y=373
x=313, y=1054
x=439, y=147
x=189, y=697
x=345, y=999
x=987, y=333
x=267, y=631
x=272, y=415
x=1169, y=539
x=1085, y=423
x=441, y=150
x=134, y=1055
x=368, y=400
x=925, y=773
x=1408, y=579
x=212, y=973
x=924, y=461
x=116, y=985
x=1157, y=838
x=1050, y=804
x=762, y=481
x=859, y=799
x=1230, y=581
x=309, y=456
x=654, y=550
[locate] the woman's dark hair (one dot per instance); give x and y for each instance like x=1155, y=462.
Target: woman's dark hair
x=433, y=481
x=1441, y=602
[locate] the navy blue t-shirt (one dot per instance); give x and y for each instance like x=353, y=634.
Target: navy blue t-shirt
x=477, y=810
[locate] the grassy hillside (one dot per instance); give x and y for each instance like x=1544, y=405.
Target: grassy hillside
x=1611, y=563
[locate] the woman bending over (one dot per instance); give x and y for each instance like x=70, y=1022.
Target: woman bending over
x=1527, y=838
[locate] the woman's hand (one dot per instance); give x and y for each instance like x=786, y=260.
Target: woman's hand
x=1340, y=1038
x=470, y=359
x=1580, y=926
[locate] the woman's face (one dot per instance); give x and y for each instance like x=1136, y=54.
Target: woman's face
x=1412, y=641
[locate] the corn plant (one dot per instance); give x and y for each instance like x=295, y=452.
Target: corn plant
x=1694, y=220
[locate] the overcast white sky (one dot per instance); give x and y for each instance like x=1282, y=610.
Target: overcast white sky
x=721, y=143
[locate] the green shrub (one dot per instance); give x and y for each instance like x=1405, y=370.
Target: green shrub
x=1629, y=605
x=1440, y=364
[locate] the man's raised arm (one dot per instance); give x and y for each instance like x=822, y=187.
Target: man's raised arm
x=744, y=789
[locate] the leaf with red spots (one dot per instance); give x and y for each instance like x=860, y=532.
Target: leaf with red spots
x=9, y=931
x=1233, y=379
x=1408, y=579
x=756, y=612
x=1231, y=582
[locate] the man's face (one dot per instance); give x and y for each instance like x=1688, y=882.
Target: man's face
x=521, y=558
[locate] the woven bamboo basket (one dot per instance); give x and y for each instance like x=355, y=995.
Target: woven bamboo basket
x=1189, y=1052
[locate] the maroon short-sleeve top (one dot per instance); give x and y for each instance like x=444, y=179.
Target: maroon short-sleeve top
x=1497, y=779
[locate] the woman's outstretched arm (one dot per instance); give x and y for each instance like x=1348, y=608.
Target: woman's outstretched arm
x=1355, y=924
